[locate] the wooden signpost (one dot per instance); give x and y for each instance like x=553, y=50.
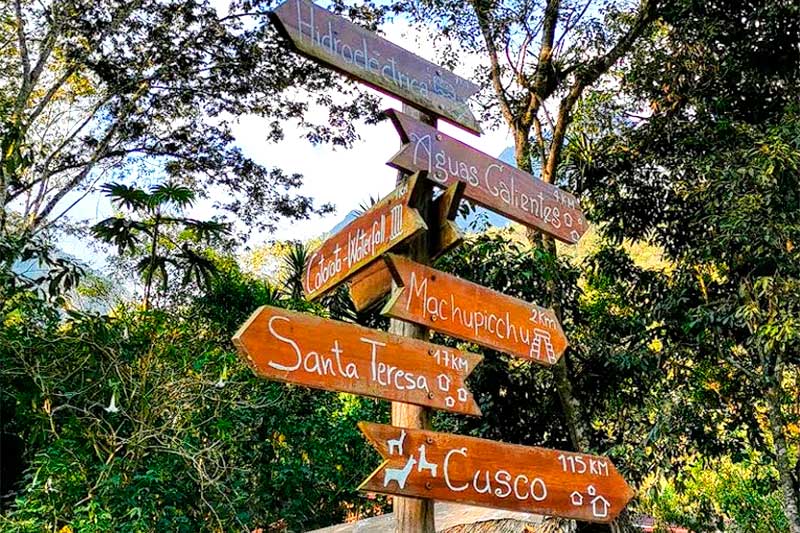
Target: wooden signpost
x=388, y=223
x=420, y=465
x=473, y=313
x=491, y=183
x=327, y=354
x=334, y=41
x=426, y=464
x=372, y=283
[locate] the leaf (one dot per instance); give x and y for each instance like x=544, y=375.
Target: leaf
x=125, y=196
x=170, y=193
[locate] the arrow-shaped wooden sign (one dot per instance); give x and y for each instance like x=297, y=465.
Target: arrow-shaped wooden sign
x=372, y=283
x=491, y=183
x=386, y=224
x=440, y=466
x=473, y=313
x=338, y=43
x=327, y=354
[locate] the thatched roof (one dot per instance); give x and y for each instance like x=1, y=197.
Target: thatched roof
x=451, y=518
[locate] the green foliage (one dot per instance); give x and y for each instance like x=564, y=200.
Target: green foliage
x=711, y=178
x=615, y=370
x=713, y=495
x=148, y=421
x=133, y=83
x=160, y=234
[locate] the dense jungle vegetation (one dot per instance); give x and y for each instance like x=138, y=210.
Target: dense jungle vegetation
x=123, y=404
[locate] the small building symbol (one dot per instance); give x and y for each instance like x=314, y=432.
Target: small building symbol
x=600, y=506
x=576, y=498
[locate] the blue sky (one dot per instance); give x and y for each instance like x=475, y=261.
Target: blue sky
x=344, y=178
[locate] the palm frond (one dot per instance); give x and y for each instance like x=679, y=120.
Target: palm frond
x=125, y=196
x=171, y=193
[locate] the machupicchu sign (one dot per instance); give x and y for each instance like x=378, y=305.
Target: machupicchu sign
x=385, y=225
x=491, y=183
x=372, y=283
x=441, y=466
x=338, y=43
x=337, y=356
x=470, y=312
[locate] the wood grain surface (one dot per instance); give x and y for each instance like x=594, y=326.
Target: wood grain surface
x=387, y=224
x=441, y=466
x=491, y=183
x=327, y=354
x=371, y=284
x=354, y=51
x=467, y=311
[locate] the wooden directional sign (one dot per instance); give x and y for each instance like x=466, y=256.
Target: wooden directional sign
x=490, y=182
x=473, y=313
x=337, y=356
x=372, y=283
x=439, y=466
x=334, y=41
x=385, y=225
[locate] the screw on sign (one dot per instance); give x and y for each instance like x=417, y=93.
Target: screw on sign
x=441, y=466
x=338, y=43
x=491, y=183
x=387, y=224
x=470, y=312
x=327, y=354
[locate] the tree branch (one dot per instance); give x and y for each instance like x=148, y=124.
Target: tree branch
x=491, y=47
x=589, y=75
x=96, y=156
x=25, y=61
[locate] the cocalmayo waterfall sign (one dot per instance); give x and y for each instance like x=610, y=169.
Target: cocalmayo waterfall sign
x=388, y=223
x=361, y=54
x=426, y=464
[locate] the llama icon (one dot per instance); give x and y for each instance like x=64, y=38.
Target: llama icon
x=424, y=464
x=397, y=443
x=399, y=475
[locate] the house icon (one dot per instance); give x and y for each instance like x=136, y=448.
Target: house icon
x=600, y=507
x=576, y=498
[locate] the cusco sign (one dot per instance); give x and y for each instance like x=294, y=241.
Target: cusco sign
x=467, y=311
x=440, y=466
x=340, y=44
x=490, y=182
x=327, y=354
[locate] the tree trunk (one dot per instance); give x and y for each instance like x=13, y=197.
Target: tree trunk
x=577, y=425
x=788, y=483
x=414, y=515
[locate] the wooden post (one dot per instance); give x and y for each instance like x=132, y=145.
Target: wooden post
x=414, y=515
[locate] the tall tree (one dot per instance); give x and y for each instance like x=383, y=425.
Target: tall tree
x=95, y=89
x=159, y=233
x=710, y=175
x=539, y=59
